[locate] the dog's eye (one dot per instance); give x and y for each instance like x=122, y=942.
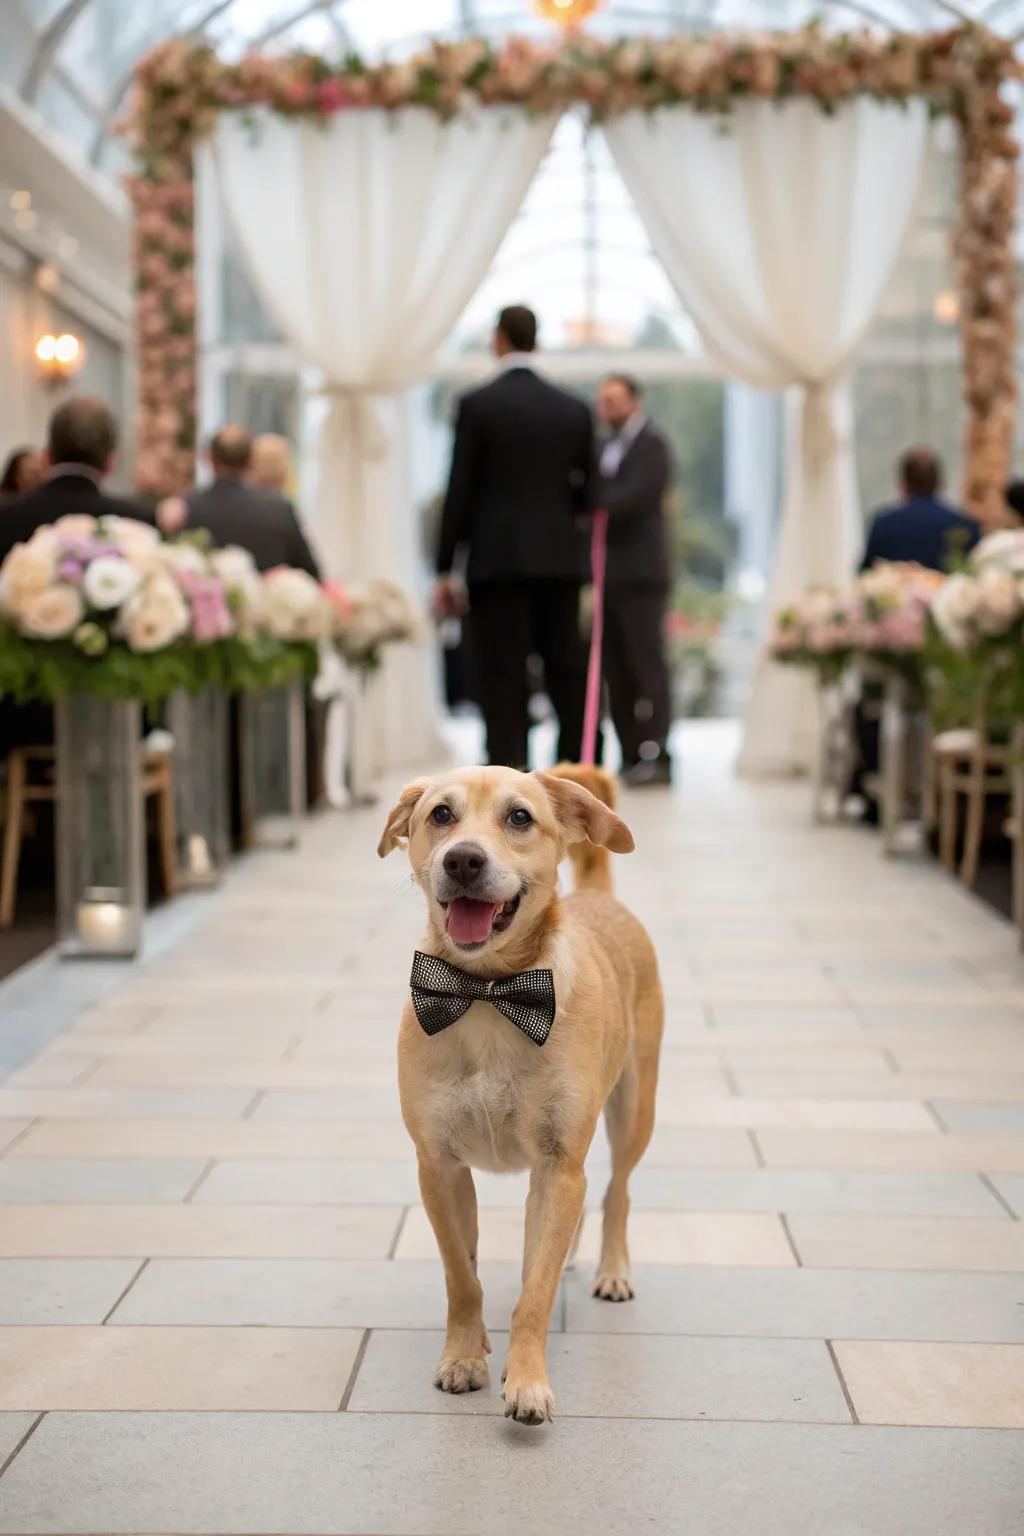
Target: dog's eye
x=442, y=816
x=520, y=817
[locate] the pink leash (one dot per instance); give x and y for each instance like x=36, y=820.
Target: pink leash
x=599, y=563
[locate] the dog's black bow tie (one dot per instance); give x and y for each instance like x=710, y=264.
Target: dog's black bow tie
x=441, y=994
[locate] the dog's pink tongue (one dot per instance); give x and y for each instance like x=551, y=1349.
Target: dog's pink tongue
x=469, y=922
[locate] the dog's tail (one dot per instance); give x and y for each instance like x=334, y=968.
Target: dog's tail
x=592, y=866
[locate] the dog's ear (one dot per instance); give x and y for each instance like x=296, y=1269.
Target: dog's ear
x=399, y=817
x=582, y=816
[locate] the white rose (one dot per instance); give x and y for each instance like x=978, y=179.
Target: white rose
x=185, y=560
x=293, y=607
x=52, y=614
x=156, y=616
x=234, y=565
x=954, y=609
x=128, y=533
x=1004, y=549
x=77, y=525
x=998, y=601
x=109, y=581
x=28, y=570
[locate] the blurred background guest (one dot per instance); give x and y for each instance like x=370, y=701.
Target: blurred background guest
x=1014, y=497
x=521, y=476
x=80, y=449
x=22, y=472
x=270, y=466
x=920, y=527
x=235, y=512
x=635, y=468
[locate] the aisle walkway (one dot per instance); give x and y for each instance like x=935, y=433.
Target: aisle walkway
x=219, y=1300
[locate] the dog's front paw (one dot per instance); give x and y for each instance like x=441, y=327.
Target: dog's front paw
x=528, y=1403
x=466, y=1374
x=612, y=1285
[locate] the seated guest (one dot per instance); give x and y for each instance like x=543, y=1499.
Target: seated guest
x=233, y=512
x=79, y=456
x=920, y=527
x=1014, y=498
x=22, y=472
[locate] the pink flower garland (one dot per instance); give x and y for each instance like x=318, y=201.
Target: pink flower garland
x=181, y=87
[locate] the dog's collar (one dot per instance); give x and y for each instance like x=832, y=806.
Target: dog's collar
x=441, y=994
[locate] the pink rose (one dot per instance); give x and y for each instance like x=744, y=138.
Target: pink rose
x=331, y=97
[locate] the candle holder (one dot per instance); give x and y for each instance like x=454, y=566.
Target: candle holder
x=273, y=766
x=100, y=832
x=199, y=724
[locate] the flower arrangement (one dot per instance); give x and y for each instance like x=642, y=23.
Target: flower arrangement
x=881, y=617
x=368, y=618
x=180, y=87
x=107, y=606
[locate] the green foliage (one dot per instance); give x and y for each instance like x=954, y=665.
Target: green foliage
x=51, y=669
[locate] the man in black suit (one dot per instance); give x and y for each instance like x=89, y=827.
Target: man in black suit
x=235, y=513
x=521, y=481
x=82, y=440
x=635, y=468
x=920, y=527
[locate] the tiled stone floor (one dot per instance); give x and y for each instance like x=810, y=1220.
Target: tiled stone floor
x=219, y=1300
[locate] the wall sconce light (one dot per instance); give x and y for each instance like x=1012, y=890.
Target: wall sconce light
x=946, y=308
x=59, y=357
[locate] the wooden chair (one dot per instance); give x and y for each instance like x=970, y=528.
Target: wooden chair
x=967, y=763
x=23, y=791
x=1015, y=826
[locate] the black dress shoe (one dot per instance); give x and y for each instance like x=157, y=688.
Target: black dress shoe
x=653, y=775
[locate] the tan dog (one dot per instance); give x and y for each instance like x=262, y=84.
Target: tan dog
x=485, y=845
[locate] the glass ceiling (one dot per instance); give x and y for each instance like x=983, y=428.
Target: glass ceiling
x=577, y=238
x=72, y=59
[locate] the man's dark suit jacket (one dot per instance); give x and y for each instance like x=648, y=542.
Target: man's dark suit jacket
x=922, y=530
x=64, y=493
x=264, y=524
x=634, y=500
x=521, y=478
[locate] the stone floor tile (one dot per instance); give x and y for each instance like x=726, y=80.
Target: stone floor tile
x=323, y=1072
x=307, y=1293
x=366, y=1140
x=420, y=1475
x=803, y=1304
x=842, y=1114
x=966, y=1386
x=981, y=1119
x=210, y=1370
x=784, y=1148
x=10, y=1130
x=811, y=1191
x=193, y=1231
x=53, y=1070
x=125, y=1103
x=664, y=1237
x=344, y=1104
x=43, y=1291
x=13, y=1429
x=613, y=1376
x=688, y=1146
x=887, y=1242
x=72, y=1181
x=327, y=1182
x=1011, y=1189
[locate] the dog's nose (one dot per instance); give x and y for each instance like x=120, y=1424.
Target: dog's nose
x=465, y=863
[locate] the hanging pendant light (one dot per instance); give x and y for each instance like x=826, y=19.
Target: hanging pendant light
x=566, y=13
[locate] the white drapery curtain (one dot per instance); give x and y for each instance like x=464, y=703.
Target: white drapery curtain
x=365, y=238
x=779, y=228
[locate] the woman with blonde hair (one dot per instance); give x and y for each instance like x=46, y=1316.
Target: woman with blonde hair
x=270, y=467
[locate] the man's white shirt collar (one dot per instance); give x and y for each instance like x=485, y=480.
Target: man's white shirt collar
x=518, y=360
x=616, y=448
x=86, y=471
